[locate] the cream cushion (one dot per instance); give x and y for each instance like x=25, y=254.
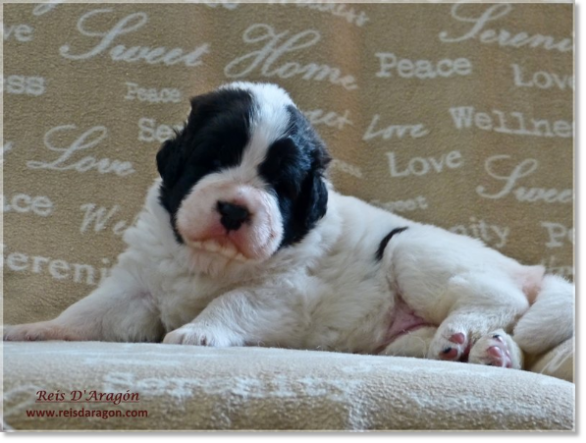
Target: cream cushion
x=187, y=387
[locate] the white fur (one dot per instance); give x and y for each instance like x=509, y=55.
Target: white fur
x=269, y=122
x=198, y=220
x=550, y=320
x=325, y=292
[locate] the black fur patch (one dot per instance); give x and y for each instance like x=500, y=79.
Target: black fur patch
x=294, y=168
x=214, y=138
x=383, y=244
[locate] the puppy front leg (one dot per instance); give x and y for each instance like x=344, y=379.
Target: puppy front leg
x=118, y=310
x=240, y=318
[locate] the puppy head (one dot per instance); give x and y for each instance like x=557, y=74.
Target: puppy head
x=244, y=178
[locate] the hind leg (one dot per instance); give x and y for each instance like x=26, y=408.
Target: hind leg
x=482, y=303
x=497, y=348
x=494, y=349
x=414, y=344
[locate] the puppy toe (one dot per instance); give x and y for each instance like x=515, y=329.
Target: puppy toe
x=45, y=330
x=15, y=333
x=449, y=345
x=196, y=335
x=26, y=332
x=496, y=349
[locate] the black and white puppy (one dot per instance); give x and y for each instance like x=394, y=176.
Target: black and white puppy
x=243, y=241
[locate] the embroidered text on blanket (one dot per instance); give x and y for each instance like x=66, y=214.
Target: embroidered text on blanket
x=542, y=79
x=331, y=118
x=152, y=95
x=21, y=32
x=514, y=123
x=423, y=165
x=553, y=266
x=502, y=37
x=22, y=84
x=421, y=69
x=43, y=8
x=416, y=130
x=88, y=140
x=558, y=233
x=343, y=166
x=491, y=234
x=226, y=4
x=99, y=218
x=410, y=204
x=58, y=269
x=523, y=169
x=129, y=24
x=23, y=204
x=275, y=48
x=336, y=9
x=6, y=148
x=150, y=131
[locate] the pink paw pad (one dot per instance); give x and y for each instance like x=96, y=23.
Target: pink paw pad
x=498, y=353
x=458, y=352
x=458, y=338
x=449, y=353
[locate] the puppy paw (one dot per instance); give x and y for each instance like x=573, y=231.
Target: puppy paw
x=40, y=331
x=497, y=349
x=194, y=334
x=450, y=344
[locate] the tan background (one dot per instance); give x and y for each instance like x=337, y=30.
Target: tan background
x=60, y=84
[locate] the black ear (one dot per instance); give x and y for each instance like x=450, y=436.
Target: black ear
x=169, y=162
x=312, y=202
x=205, y=107
x=170, y=156
x=201, y=106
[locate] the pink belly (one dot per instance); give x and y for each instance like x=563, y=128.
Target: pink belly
x=402, y=321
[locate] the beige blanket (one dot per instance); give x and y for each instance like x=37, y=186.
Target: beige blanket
x=457, y=115
x=255, y=388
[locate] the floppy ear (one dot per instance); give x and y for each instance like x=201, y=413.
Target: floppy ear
x=169, y=157
x=203, y=107
x=197, y=109
x=169, y=162
x=312, y=202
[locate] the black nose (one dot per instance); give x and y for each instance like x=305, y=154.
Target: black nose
x=232, y=215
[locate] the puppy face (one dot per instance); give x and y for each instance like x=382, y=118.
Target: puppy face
x=244, y=178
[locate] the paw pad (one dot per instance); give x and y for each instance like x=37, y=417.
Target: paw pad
x=455, y=348
x=492, y=350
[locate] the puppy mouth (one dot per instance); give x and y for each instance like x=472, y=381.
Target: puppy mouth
x=226, y=249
